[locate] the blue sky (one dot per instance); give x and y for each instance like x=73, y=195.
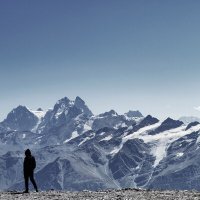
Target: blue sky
x=133, y=54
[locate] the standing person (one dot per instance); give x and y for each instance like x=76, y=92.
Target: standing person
x=29, y=166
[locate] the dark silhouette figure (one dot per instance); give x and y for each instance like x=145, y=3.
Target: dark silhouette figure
x=29, y=166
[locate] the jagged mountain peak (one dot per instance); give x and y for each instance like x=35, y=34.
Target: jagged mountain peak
x=78, y=100
x=171, y=121
x=65, y=104
x=20, y=118
x=167, y=124
x=136, y=114
x=39, y=109
x=20, y=108
x=80, y=104
x=66, y=114
x=109, y=113
x=63, y=101
x=62, y=105
x=149, y=120
x=190, y=125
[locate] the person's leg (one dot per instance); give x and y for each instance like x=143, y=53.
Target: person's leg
x=26, y=183
x=33, y=181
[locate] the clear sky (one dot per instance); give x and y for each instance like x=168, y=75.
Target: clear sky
x=115, y=54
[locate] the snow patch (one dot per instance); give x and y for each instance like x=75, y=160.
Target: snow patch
x=59, y=112
x=38, y=114
x=179, y=154
x=86, y=139
x=86, y=127
x=109, y=137
x=122, y=125
x=198, y=140
x=134, y=135
x=74, y=135
x=102, y=133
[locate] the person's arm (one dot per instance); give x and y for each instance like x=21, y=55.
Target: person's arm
x=34, y=163
x=24, y=167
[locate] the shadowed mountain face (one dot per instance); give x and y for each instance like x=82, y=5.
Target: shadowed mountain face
x=76, y=150
x=9, y=165
x=131, y=158
x=147, y=121
x=20, y=119
x=167, y=125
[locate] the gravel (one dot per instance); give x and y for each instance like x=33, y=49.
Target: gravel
x=125, y=194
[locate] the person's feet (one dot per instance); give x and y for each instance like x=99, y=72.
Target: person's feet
x=25, y=191
x=36, y=190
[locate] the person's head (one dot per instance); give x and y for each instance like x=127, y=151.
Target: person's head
x=28, y=152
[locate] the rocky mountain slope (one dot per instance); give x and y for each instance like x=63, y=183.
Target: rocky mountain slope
x=76, y=150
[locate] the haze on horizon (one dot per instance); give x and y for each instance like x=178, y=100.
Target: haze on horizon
x=122, y=55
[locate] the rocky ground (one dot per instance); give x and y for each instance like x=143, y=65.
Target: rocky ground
x=125, y=194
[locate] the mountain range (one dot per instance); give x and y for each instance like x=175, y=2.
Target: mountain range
x=76, y=150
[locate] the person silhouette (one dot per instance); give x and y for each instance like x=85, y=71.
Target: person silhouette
x=29, y=166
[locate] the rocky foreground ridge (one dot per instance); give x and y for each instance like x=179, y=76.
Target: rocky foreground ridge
x=128, y=194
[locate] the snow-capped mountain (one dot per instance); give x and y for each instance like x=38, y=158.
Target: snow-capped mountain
x=20, y=118
x=110, y=119
x=76, y=150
